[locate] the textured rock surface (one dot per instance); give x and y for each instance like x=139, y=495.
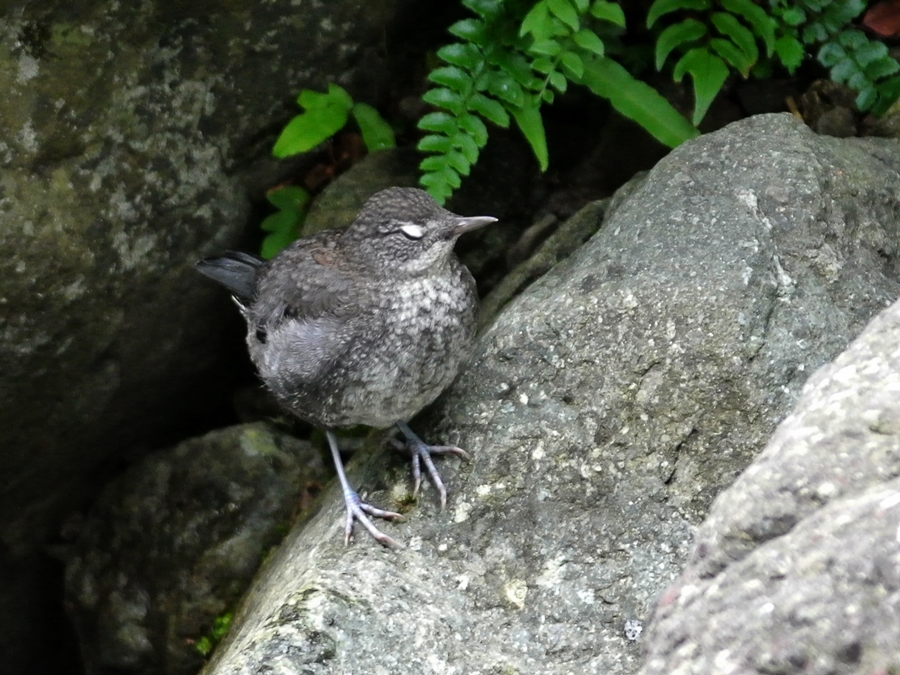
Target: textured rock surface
x=797, y=568
x=173, y=543
x=131, y=135
x=604, y=410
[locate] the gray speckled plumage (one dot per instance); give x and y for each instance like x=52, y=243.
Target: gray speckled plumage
x=365, y=325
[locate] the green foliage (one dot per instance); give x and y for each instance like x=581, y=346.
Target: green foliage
x=514, y=57
x=326, y=114
x=323, y=116
x=208, y=642
x=283, y=226
x=711, y=41
x=851, y=57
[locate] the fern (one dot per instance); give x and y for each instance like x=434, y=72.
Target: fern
x=326, y=114
x=852, y=58
x=283, y=226
x=711, y=42
x=515, y=57
x=323, y=116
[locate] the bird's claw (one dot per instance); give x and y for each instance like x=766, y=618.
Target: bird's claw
x=357, y=510
x=421, y=453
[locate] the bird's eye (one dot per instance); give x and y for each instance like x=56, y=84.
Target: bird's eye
x=412, y=231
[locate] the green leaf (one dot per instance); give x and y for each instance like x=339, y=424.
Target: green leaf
x=858, y=81
x=471, y=30
x=281, y=220
x=637, y=101
x=434, y=143
x=452, y=178
x=434, y=163
x=852, y=40
x=276, y=241
x=439, y=121
x=732, y=55
x=547, y=96
x=502, y=86
x=376, y=132
x=882, y=68
x=582, y=5
x=325, y=115
x=475, y=127
x=462, y=54
x=677, y=35
x=436, y=184
x=663, y=7
x=453, y=78
x=489, y=109
x=467, y=146
x=336, y=97
x=446, y=99
x=558, y=81
x=729, y=26
x=888, y=93
x=537, y=22
x=440, y=191
x=869, y=52
x=289, y=198
x=608, y=11
x=304, y=132
x=793, y=16
x=839, y=14
x=867, y=97
x=590, y=41
x=790, y=51
x=831, y=54
x=844, y=71
x=708, y=73
x=814, y=32
x=565, y=12
x=571, y=63
x=528, y=119
x=486, y=9
x=543, y=65
x=546, y=48
x=457, y=161
x=763, y=24
x=516, y=65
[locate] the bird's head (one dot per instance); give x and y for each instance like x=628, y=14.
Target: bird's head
x=403, y=231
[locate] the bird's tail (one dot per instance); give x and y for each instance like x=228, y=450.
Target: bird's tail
x=234, y=270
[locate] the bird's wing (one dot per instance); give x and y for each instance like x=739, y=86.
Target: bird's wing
x=234, y=270
x=306, y=281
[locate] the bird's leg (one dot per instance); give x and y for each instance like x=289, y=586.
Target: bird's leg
x=356, y=508
x=421, y=454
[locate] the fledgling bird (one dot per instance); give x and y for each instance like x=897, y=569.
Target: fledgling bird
x=363, y=325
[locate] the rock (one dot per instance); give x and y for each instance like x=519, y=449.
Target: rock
x=132, y=137
x=172, y=544
x=797, y=567
x=604, y=409
x=339, y=203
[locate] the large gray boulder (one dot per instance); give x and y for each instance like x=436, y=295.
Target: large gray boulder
x=171, y=544
x=797, y=567
x=604, y=409
x=131, y=136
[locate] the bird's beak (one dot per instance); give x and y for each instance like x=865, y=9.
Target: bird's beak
x=464, y=225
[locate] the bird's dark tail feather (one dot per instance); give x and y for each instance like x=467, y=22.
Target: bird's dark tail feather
x=234, y=270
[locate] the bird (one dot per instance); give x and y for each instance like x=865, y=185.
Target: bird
x=363, y=325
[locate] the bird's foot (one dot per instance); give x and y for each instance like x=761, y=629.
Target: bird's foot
x=356, y=507
x=357, y=510
x=421, y=454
